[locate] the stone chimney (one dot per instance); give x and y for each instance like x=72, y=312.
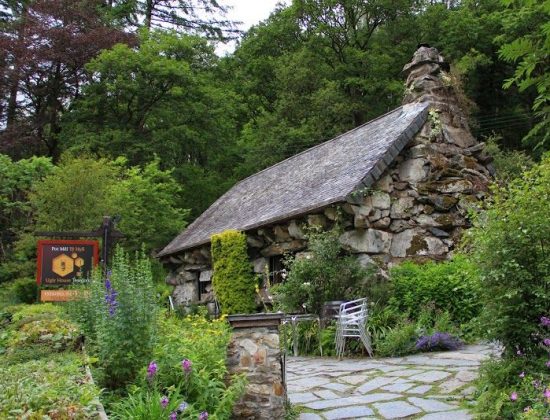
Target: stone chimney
x=428, y=80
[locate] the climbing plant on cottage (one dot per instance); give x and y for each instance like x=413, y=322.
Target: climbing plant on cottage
x=233, y=279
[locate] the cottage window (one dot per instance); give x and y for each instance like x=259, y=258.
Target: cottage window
x=203, y=285
x=276, y=269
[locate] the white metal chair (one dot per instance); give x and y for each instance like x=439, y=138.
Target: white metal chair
x=351, y=322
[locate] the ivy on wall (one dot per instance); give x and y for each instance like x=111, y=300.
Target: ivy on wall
x=233, y=279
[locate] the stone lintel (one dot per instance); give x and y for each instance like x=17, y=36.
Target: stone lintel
x=271, y=320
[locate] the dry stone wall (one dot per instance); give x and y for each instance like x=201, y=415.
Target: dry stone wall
x=416, y=210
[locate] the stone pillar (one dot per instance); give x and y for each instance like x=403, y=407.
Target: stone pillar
x=254, y=350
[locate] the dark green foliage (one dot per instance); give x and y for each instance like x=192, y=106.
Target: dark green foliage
x=26, y=290
x=451, y=286
x=164, y=99
x=233, y=280
x=16, y=181
x=510, y=243
x=326, y=274
x=527, y=28
x=508, y=164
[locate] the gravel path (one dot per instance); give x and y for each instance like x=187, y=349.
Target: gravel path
x=426, y=386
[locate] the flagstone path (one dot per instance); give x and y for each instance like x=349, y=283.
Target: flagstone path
x=428, y=386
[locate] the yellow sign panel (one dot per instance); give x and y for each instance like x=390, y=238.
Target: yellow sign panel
x=62, y=265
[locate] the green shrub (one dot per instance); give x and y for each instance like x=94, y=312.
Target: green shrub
x=118, y=318
x=233, y=279
x=40, y=375
x=26, y=290
x=51, y=387
x=513, y=389
x=451, y=286
x=327, y=274
x=510, y=242
x=397, y=341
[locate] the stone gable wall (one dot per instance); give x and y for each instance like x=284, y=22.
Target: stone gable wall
x=416, y=210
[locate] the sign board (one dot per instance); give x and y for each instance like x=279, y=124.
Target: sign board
x=57, y=295
x=65, y=262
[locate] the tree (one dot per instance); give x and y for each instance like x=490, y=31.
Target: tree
x=162, y=100
x=530, y=20
x=316, y=69
x=45, y=46
x=16, y=181
x=87, y=189
x=201, y=17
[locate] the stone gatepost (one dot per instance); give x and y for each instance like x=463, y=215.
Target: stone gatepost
x=254, y=350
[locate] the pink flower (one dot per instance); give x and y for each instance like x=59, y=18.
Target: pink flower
x=514, y=396
x=186, y=365
x=546, y=393
x=548, y=364
x=545, y=321
x=164, y=401
x=203, y=415
x=173, y=416
x=547, y=342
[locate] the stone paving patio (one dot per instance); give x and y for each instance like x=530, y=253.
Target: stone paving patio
x=428, y=386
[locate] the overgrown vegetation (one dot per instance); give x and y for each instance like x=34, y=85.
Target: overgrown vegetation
x=510, y=243
x=451, y=286
x=42, y=371
x=233, y=280
x=325, y=274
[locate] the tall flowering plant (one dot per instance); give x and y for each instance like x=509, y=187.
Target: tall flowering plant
x=118, y=318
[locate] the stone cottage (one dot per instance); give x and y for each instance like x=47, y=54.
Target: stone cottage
x=400, y=186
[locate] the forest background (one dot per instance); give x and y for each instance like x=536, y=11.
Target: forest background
x=123, y=107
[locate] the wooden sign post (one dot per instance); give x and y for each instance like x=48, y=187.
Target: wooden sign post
x=63, y=262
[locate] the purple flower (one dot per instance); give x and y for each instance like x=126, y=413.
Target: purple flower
x=173, y=416
x=522, y=375
x=548, y=364
x=545, y=321
x=514, y=396
x=519, y=353
x=186, y=365
x=182, y=407
x=536, y=384
x=151, y=370
x=110, y=297
x=164, y=401
x=438, y=341
x=546, y=342
x=546, y=393
x=203, y=415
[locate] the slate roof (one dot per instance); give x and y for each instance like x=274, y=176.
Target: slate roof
x=322, y=175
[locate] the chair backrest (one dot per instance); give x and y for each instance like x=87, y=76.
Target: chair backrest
x=353, y=311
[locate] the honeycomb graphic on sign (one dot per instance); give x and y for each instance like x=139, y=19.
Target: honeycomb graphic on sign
x=62, y=265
